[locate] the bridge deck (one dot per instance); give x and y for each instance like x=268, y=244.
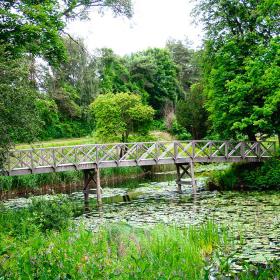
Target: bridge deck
x=84, y=157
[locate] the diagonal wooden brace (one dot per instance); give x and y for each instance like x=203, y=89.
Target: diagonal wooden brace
x=185, y=169
x=92, y=176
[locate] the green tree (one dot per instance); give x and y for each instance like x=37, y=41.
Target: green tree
x=151, y=74
x=113, y=72
x=186, y=61
x=119, y=115
x=239, y=36
x=156, y=73
x=191, y=114
x=74, y=83
x=19, y=119
x=259, y=84
x=36, y=26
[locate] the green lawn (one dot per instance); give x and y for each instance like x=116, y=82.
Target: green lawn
x=154, y=135
x=59, y=142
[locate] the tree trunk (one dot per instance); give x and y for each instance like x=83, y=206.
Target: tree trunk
x=251, y=135
x=124, y=140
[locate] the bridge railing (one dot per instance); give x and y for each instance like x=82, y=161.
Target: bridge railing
x=40, y=160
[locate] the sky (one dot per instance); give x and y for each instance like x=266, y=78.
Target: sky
x=153, y=23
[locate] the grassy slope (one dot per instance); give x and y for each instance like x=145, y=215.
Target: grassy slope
x=156, y=135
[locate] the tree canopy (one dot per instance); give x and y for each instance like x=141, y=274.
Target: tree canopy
x=191, y=114
x=241, y=53
x=119, y=115
x=19, y=120
x=36, y=27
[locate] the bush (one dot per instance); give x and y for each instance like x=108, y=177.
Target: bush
x=158, y=125
x=255, y=176
x=264, y=176
x=51, y=214
x=179, y=131
x=40, y=216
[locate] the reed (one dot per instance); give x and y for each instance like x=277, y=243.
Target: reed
x=36, y=181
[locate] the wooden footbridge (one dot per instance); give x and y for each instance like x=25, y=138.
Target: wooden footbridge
x=90, y=158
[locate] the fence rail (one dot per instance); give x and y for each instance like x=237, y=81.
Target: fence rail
x=82, y=157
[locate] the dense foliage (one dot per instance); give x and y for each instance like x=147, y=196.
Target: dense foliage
x=118, y=115
x=229, y=89
x=18, y=114
x=241, y=66
x=191, y=114
x=35, y=27
x=249, y=176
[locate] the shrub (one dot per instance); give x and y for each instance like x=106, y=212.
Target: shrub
x=40, y=216
x=264, y=175
x=179, y=131
x=51, y=214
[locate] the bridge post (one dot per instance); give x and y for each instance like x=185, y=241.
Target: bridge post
x=92, y=177
x=98, y=187
x=193, y=177
x=179, y=185
x=88, y=177
x=182, y=170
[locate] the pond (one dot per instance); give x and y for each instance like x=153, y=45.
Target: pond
x=253, y=218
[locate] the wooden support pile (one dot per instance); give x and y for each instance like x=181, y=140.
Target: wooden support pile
x=185, y=169
x=92, y=177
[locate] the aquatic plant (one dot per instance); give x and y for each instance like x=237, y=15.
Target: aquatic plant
x=42, y=241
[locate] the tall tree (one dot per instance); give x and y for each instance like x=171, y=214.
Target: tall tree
x=74, y=83
x=260, y=84
x=36, y=26
x=191, y=113
x=155, y=71
x=18, y=115
x=113, y=72
x=236, y=30
x=186, y=60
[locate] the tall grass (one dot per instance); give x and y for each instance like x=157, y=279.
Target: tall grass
x=40, y=242
x=113, y=252
x=36, y=181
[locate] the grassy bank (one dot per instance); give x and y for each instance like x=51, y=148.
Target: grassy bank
x=248, y=176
